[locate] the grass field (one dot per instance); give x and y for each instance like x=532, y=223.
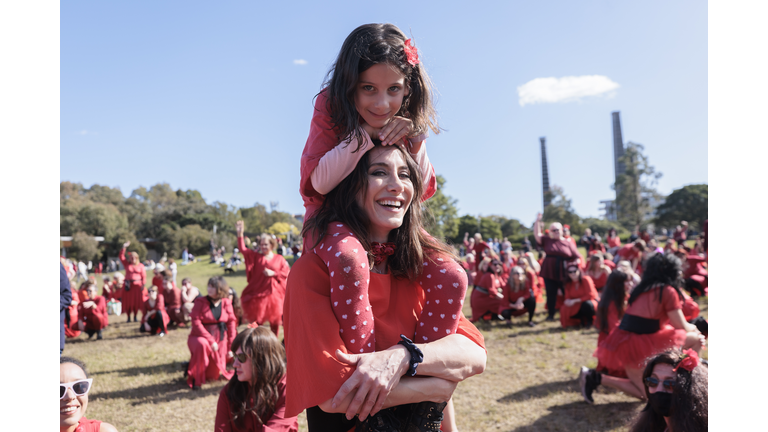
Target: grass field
x=530, y=383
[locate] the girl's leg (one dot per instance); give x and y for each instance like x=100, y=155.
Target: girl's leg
x=347, y=263
x=632, y=386
x=551, y=287
x=530, y=305
x=444, y=283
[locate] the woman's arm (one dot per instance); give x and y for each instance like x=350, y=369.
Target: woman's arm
x=677, y=319
x=408, y=390
x=453, y=358
x=537, y=229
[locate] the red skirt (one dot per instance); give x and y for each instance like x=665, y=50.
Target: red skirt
x=482, y=303
x=133, y=300
x=619, y=373
x=205, y=364
x=623, y=349
x=263, y=308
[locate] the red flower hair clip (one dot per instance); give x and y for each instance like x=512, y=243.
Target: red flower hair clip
x=688, y=361
x=411, y=53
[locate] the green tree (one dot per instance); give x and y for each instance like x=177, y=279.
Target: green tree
x=489, y=228
x=440, y=213
x=689, y=203
x=84, y=247
x=635, y=188
x=561, y=210
x=466, y=224
x=281, y=229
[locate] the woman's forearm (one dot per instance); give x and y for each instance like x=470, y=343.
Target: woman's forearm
x=408, y=390
x=453, y=358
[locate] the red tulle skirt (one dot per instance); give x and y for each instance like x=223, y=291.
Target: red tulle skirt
x=623, y=349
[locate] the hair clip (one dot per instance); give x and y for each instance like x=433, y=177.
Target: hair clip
x=688, y=361
x=411, y=53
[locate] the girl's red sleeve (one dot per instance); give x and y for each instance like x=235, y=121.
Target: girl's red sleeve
x=283, y=271
x=322, y=138
x=121, y=255
x=590, y=293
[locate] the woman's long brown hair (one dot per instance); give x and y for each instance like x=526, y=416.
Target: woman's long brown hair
x=268, y=362
x=412, y=241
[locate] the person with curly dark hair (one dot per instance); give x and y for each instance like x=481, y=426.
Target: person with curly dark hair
x=652, y=323
x=610, y=310
x=677, y=389
x=254, y=398
x=74, y=386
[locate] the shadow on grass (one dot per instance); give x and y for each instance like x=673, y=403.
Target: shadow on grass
x=541, y=391
x=160, y=393
x=583, y=417
x=171, y=367
x=536, y=331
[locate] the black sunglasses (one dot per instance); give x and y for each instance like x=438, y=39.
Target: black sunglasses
x=241, y=357
x=653, y=382
x=572, y=271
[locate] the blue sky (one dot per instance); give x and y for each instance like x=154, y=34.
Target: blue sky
x=210, y=96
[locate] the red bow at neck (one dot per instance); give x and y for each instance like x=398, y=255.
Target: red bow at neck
x=381, y=251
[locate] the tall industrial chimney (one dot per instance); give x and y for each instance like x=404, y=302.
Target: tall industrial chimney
x=544, y=173
x=618, y=145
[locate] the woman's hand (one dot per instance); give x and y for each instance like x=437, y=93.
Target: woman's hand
x=230, y=354
x=269, y=273
x=395, y=130
x=126, y=244
x=376, y=375
x=240, y=228
x=88, y=304
x=215, y=346
x=499, y=295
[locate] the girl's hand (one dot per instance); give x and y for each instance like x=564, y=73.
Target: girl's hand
x=376, y=375
x=215, y=346
x=395, y=130
x=269, y=273
x=126, y=244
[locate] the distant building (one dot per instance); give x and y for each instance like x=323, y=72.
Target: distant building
x=608, y=210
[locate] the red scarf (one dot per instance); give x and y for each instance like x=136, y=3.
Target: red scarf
x=381, y=251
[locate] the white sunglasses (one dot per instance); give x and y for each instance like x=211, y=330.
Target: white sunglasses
x=80, y=388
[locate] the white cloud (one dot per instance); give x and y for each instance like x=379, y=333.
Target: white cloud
x=565, y=89
x=87, y=132
x=300, y=62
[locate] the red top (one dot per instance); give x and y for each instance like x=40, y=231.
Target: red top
x=158, y=307
x=511, y=296
x=556, y=249
x=322, y=138
x=584, y=290
x=260, y=285
x=610, y=264
x=172, y=298
x=628, y=252
x=647, y=304
x=202, y=316
x=133, y=272
x=614, y=242
x=312, y=330
x=278, y=422
x=157, y=281
x=694, y=266
x=612, y=319
x=86, y=425
x=600, y=280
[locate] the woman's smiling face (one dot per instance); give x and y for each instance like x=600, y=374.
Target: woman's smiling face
x=71, y=407
x=389, y=192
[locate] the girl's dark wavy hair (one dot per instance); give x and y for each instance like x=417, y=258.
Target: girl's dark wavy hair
x=268, y=362
x=690, y=397
x=659, y=270
x=368, y=45
x=613, y=292
x=412, y=240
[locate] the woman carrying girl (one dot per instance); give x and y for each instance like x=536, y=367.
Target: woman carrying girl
x=377, y=90
x=254, y=398
x=213, y=330
x=134, y=294
x=267, y=273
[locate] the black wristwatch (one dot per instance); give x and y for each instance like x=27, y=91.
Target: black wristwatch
x=416, y=355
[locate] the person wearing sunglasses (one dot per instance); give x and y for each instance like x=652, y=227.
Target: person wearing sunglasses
x=154, y=318
x=254, y=398
x=677, y=388
x=652, y=323
x=580, y=299
x=486, y=296
x=213, y=330
x=74, y=386
x=518, y=297
x=558, y=251
x=92, y=313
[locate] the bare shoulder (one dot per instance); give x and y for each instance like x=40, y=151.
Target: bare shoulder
x=106, y=427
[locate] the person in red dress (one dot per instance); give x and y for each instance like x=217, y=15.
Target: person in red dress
x=695, y=273
x=157, y=279
x=92, y=313
x=598, y=271
x=213, y=330
x=631, y=252
x=469, y=265
x=154, y=318
x=518, y=297
x=610, y=310
x=254, y=398
x=613, y=240
x=681, y=233
x=653, y=322
x=134, y=293
x=267, y=273
x=580, y=299
x=116, y=287
x=537, y=282
x=486, y=297
x=480, y=247
x=74, y=386
x=557, y=251
x=172, y=299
